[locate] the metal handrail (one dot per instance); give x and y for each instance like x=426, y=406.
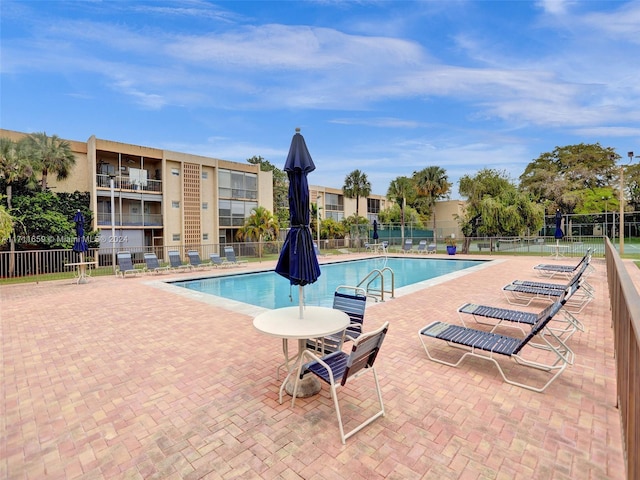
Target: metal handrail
x=374, y=275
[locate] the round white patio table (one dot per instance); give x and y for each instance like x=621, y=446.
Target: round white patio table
x=82, y=274
x=285, y=323
x=559, y=250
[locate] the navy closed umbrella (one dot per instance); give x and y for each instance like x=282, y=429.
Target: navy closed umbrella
x=298, y=261
x=80, y=245
x=558, y=234
x=375, y=230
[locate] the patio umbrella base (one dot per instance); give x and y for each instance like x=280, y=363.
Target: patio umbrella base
x=307, y=387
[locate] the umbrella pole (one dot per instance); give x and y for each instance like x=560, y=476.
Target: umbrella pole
x=82, y=278
x=301, y=300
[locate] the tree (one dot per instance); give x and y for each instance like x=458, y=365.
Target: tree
x=356, y=226
x=632, y=186
x=356, y=185
x=6, y=224
x=14, y=167
x=432, y=184
x=394, y=214
x=315, y=208
x=496, y=208
x=45, y=219
x=42, y=222
x=331, y=229
x=260, y=226
x=600, y=199
x=402, y=190
x=50, y=155
x=280, y=189
x=559, y=178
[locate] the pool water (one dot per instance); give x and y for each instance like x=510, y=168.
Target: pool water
x=270, y=290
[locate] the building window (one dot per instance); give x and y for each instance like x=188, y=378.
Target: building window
x=373, y=205
x=175, y=171
x=237, y=185
x=205, y=175
x=205, y=206
x=175, y=204
x=238, y=192
x=205, y=236
x=334, y=202
x=232, y=213
x=337, y=216
x=176, y=237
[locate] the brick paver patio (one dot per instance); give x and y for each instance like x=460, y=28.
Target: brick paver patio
x=121, y=379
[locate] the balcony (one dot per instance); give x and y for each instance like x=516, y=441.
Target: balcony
x=131, y=219
x=122, y=182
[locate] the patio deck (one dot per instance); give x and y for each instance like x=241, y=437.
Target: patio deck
x=120, y=379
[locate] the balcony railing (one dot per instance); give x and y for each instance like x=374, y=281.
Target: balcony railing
x=131, y=219
x=124, y=183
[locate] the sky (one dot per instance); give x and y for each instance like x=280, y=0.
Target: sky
x=386, y=87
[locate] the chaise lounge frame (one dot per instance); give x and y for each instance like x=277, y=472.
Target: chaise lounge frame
x=505, y=317
x=489, y=345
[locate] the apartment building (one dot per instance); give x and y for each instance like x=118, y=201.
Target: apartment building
x=149, y=198
x=333, y=204
x=154, y=198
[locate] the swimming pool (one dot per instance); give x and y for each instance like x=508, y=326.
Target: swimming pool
x=270, y=290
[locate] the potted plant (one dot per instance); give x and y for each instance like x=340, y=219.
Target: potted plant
x=451, y=244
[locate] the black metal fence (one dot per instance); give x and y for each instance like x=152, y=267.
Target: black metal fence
x=53, y=264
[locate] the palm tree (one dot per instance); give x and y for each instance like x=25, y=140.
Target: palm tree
x=261, y=225
x=356, y=185
x=401, y=190
x=433, y=185
x=314, y=216
x=6, y=224
x=14, y=166
x=51, y=155
x=331, y=229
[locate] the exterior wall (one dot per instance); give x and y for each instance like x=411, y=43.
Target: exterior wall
x=446, y=213
x=80, y=178
x=349, y=204
x=172, y=192
x=209, y=200
x=265, y=190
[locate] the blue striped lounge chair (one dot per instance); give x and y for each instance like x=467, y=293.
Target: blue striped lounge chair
x=551, y=270
x=490, y=346
x=195, y=261
x=125, y=265
x=524, y=292
x=176, y=262
x=153, y=265
x=496, y=317
x=408, y=245
x=230, y=254
x=217, y=261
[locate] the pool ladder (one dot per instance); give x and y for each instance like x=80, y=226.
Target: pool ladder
x=378, y=292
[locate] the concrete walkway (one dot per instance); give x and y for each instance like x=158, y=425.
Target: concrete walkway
x=121, y=379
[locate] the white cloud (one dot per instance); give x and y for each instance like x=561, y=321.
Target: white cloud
x=414, y=98
x=555, y=7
